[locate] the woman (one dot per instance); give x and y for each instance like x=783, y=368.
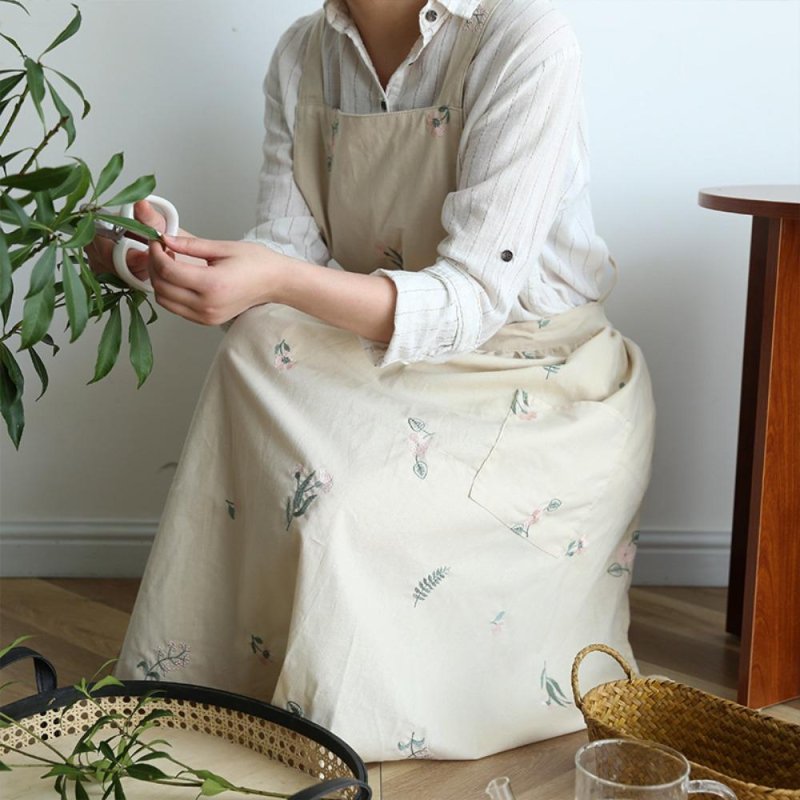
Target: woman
x=409, y=492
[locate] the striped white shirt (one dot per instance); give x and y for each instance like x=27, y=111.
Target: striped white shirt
x=523, y=171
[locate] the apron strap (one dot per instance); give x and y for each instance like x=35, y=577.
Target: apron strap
x=311, y=85
x=468, y=40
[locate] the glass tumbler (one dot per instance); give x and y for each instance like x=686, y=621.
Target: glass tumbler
x=625, y=769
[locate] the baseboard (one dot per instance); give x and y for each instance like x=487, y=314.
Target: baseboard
x=78, y=549
x=682, y=558
x=119, y=549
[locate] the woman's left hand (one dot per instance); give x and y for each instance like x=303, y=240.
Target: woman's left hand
x=235, y=277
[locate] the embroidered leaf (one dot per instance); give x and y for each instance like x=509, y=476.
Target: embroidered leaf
x=617, y=570
x=416, y=424
x=231, y=509
x=421, y=469
x=553, y=505
x=429, y=583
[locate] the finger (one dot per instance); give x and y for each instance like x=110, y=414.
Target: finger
x=146, y=214
x=164, y=267
x=199, y=248
x=174, y=294
x=137, y=263
x=180, y=309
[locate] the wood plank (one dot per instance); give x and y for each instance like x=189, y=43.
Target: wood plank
x=48, y=608
x=119, y=593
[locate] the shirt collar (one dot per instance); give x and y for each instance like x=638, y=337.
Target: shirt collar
x=339, y=17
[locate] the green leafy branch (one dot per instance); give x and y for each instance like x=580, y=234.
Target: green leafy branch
x=111, y=750
x=49, y=214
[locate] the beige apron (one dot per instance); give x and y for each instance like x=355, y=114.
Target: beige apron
x=411, y=555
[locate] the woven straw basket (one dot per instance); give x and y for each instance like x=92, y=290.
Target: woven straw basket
x=757, y=756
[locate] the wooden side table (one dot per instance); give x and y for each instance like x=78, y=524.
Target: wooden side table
x=764, y=586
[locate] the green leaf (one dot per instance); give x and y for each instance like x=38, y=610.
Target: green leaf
x=141, y=351
x=5, y=159
x=71, y=29
x=80, y=792
x=40, y=368
x=12, y=42
x=109, y=174
x=108, y=680
x=211, y=776
x=17, y=3
x=108, y=349
x=7, y=84
x=83, y=235
x=137, y=190
x=73, y=179
x=14, y=644
x=48, y=340
x=90, y=282
x=75, y=296
x=37, y=314
x=75, y=88
x=210, y=787
x=43, y=272
x=6, y=286
x=35, y=79
x=22, y=219
x=63, y=769
x=40, y=179
x=64, y=112
x=4, y=767
x=130, y=225
x=75, y=188
x=145, y=772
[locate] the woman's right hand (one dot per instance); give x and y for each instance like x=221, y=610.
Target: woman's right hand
x=99, y=252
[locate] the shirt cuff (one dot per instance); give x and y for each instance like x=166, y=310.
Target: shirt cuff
x=437, y=316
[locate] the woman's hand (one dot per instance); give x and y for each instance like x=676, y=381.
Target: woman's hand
x=236, y=276
x=99, y=252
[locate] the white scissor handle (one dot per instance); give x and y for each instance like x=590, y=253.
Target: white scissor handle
x=124, y=244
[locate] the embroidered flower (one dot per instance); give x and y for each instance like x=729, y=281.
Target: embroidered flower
x=435, y=121
x=307, y=488
x=521, y=406
x=420, y=441
x=168, y=658
x=282, y=359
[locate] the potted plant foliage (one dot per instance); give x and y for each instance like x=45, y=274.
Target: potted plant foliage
x=48, y=215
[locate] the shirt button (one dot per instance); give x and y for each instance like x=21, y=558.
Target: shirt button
x=506, y=255
x=383, y=105
x=431, y=16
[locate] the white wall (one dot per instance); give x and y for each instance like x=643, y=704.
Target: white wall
x=681, y=94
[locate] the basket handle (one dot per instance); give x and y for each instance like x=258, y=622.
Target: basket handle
x=46, y=677
x=595, y=648
x=319, y=791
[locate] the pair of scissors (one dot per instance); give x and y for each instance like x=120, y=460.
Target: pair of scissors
x=123, y=244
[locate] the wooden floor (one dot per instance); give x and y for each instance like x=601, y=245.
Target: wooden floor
x=676, y=632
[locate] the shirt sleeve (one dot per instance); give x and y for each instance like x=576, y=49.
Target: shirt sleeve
x=513, y=163
x=284, y=221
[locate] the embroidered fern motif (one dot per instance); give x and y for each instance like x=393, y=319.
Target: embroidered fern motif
x=428, y=584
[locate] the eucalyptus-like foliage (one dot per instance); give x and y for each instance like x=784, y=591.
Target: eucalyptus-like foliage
x=47, y=217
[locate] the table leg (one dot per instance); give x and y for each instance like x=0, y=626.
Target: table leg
x=747, y=420
x=770, y=650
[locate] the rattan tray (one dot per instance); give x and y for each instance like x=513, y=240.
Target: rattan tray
x=276, y=735
x=756, y=755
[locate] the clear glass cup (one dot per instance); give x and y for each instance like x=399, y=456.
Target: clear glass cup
x=624, y=769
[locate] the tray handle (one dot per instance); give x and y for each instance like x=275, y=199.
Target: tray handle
x=595, y=648
x=321, y=789
x=46, y=677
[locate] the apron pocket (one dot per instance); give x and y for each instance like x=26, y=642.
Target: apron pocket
x=547, y=468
